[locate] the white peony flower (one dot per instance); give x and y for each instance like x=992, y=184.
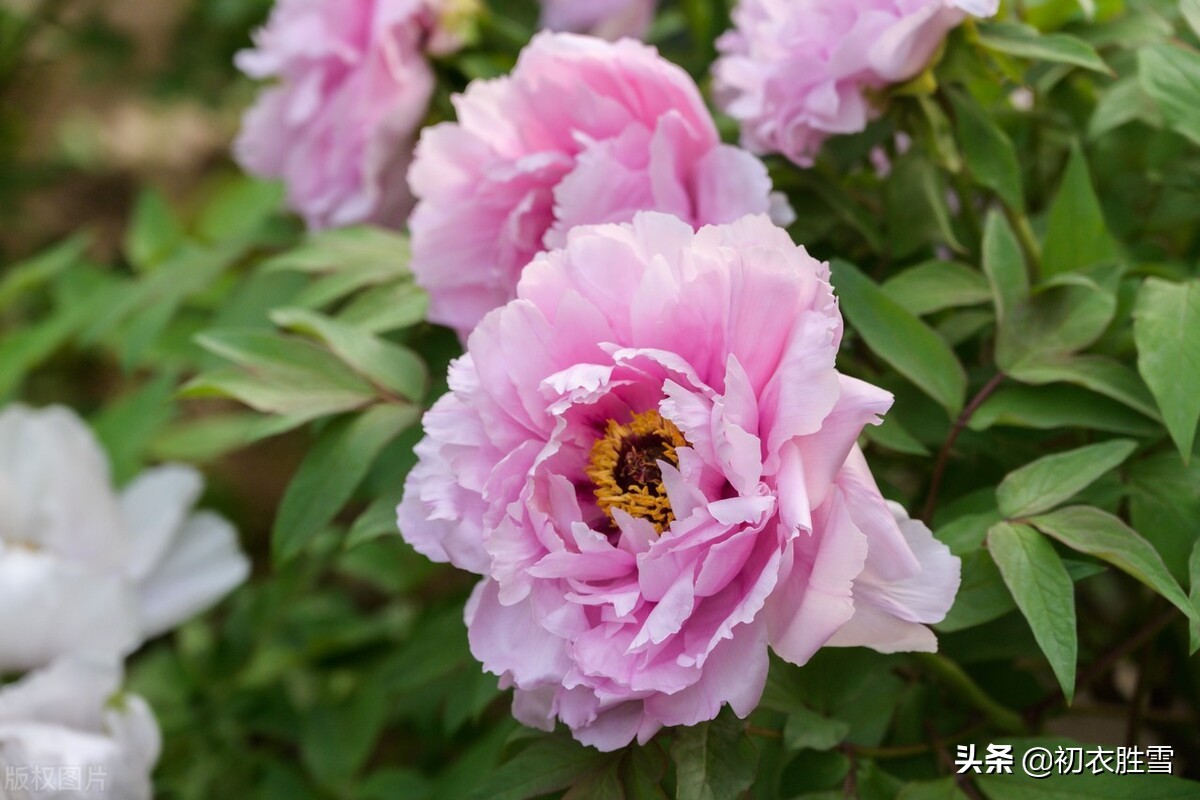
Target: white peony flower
x=85, y=569
x=65, y=734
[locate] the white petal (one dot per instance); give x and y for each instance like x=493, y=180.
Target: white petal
x=133, y=726
x=155, y=506
x=203, y=565
x=70, y=692
x=53, y=607
x=59, y=718
x=56, y=492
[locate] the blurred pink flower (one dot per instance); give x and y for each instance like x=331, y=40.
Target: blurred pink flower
x=608, y=19
x=352, y=85
x=583, y=131
x=794, y=74
x=650, y=457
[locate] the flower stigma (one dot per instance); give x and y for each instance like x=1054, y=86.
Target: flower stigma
x=624, y=467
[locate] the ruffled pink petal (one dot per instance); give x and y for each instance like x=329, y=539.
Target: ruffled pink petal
x=817, y=596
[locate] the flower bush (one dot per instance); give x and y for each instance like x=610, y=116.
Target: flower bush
x=798, y=403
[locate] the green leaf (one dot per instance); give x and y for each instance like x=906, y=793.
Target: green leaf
x=332, y=471
x=1054, y=479
x=1194, y=581
x=1076, y=234
x=943, y=789
x=383, y=309
x=1025, y=42
x=1004, y=265
x=287, y=363
x=961, y=326
x=875, y=784
x=602, y=783
x=392, y=783
x=990, y=154
x=378, y=520
x=917, y=209
x=126, y=426
x=936, y=285
x=206, y=438
x=389, y=564
x=940, y=136
x=1100, y=534
x=900, y=338
x=22, y=350
x=843, y=205
x=1191, y=12
x=154, y=231
x=548, y=765
x=644, y=772
x=337, y=736
x=239, y=210
x=438, y=646
x=983, y=596
x=282, y=782
x=1164, y=504
x=1049, y=407
x=1166, y=327
x=1123, y=102
x=807, y=730
x=139, y=316
x=892, y=435
x=714, y=760
x=367, y=250
x=1100, y=374
x=42, y=268
x=391, y=366
x=1043, y=591
x=1170, y=74
x=1085, y=786
x=966, y=531
x=1062, y=317
x=295, y=405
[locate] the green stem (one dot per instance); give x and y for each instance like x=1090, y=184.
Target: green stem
x=955, y=678
x=1029, y=243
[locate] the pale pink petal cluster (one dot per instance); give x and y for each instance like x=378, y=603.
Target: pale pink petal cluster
x=608, y=19
x=780, y=538
x=352, y=84
x=582, y=132
x=795, y=73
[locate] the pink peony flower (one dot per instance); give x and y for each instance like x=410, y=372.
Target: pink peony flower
x=608, y=19
x=352, y=87
x=796, y=73
x=583, y=131
x=650, y=458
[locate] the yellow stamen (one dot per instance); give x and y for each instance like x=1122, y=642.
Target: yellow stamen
x=624, y=467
